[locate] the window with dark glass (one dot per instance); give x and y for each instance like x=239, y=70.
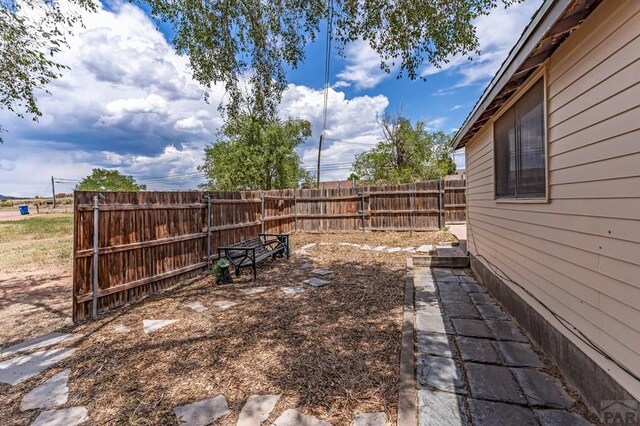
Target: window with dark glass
x=519, y=138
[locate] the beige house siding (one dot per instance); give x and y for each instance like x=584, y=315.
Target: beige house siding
x=579, y=253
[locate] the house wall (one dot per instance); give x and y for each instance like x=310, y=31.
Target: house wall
x=580, y=252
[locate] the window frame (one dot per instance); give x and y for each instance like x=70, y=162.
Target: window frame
x=541, y=73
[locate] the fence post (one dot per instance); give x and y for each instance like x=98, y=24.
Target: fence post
x=412, y=204
x=94, y=284
x=262, y=212
x=208, y=231
x=295, y=213
x=364, y=221
x=440, y=204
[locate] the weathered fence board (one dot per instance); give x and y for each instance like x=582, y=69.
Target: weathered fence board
x=149, y=241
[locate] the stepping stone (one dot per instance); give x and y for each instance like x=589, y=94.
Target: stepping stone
x=65, y=417
x=482, y=299
x=471, y=287
x=459, y=271
x=19, y=369
x=254, y=290
x=424, y=248
x=324, y=244
x=196, y=306
x=445, y=244
x=517, y=354
x=492, y=312
x=449, y=278
x=467, y=279
x=429, y=306
x=370, y=419
x=223, y=304
x=409, y=249
x=257, y=409
x=442, y=271
x=322, y=272
x=471, y=328
x=437, y=408
x=434, y=372
x=51, y=393
x=454, y=297
x=306, y=266
x=122, y=329
x=394, y=250
x=316, y=282
x=478, y=350
x=493, y=382
x=542, y=390
x=50, y=339
x=202, y=413
x=561, y=418
x=149, y=326
x=433, y=323
x=366, y=247
x=487, y=413
x=506, y=330
x=292, y=291
x=308, y=246
x=345, y=244
x=467, y=310
x=292, y=417
x=435, y=344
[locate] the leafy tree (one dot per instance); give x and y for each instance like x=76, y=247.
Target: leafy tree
x=109, y=180
x=31, y=32
x=252, y=153
x=408, y=153
x=255, y=41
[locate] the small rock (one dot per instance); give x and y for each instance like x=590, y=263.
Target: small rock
x=254, y=290
x=18, y=369
x=257, y=409
x=294, y=418
x=306, y=266
x=292, y=291
x=322, y=272
x=223, y=304
x=50, y=339
x=65, y=417
x=51, y=393
x=196, y=306
x=121, y=328
x=149, y=326
x=202, y=413
x=316, y=282
x=370, y=419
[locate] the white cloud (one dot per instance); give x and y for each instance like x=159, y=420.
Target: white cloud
x=363, y=66
x=497, y=33
x=129, y=102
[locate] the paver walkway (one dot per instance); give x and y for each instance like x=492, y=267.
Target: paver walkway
x=473, y=364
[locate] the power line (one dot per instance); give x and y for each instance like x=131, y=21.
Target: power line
x=327, y=77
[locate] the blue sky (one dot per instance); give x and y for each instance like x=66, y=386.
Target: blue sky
x=129, y=102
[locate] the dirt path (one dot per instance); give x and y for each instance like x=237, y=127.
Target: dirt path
x=33, y=303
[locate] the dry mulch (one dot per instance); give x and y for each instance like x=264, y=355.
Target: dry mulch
x=332, y=352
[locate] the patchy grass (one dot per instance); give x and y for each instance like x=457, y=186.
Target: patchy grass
x=36, y=243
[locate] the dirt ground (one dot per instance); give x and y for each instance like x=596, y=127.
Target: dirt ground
x=331, y=352
x=35, y=275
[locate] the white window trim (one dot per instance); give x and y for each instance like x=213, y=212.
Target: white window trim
x=540, y=73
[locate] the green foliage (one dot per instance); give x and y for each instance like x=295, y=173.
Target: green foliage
x=109, y=180
x=31, y=32
x=255, y=41
x=409, y=153
x=353, y=176
x=252, y=153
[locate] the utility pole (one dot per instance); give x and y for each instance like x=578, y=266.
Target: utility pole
x=319, y=152
x=53, y=191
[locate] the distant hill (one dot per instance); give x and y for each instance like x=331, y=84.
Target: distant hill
x=6, y=197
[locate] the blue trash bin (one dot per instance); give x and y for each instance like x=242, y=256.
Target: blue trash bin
x=24, y=209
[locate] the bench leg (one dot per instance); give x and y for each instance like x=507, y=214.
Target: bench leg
x=237, y=271
x=255, y=274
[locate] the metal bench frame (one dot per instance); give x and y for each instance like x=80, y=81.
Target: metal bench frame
x=251, y=252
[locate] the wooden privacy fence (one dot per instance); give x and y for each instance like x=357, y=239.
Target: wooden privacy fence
x=131, y=244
